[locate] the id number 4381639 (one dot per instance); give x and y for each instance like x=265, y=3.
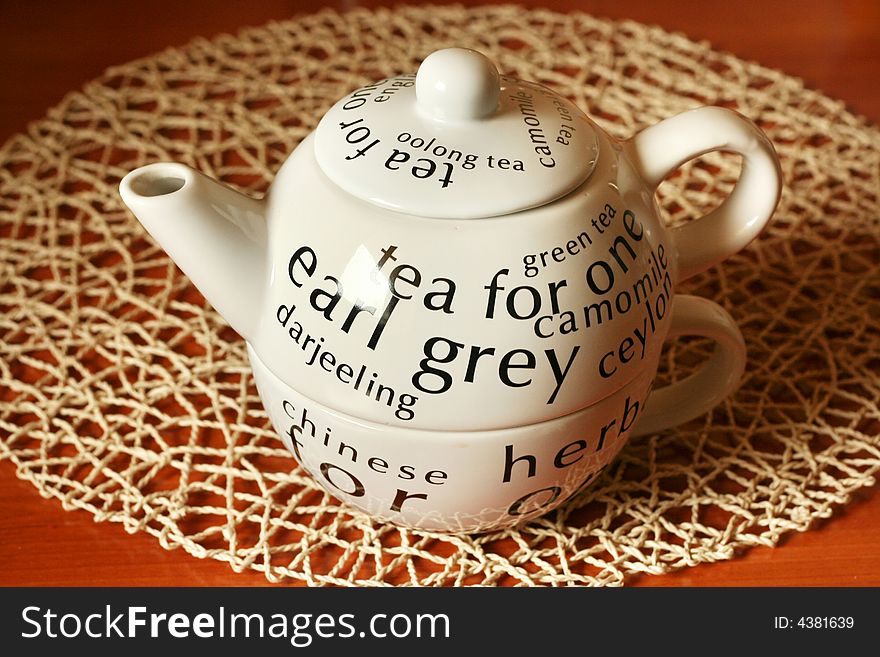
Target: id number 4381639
x=814, y=622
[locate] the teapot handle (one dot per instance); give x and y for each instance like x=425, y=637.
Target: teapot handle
x=665, y=146
x=717, y=378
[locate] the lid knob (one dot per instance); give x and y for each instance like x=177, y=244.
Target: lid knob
x=457, y=84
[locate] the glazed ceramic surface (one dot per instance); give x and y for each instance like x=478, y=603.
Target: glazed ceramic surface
x=456, y=291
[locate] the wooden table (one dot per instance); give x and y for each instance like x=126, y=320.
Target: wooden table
x=49, y=48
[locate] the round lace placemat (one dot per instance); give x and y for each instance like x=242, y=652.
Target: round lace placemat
x=122, y=393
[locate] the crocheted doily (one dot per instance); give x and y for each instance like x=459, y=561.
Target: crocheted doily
x=122, y=393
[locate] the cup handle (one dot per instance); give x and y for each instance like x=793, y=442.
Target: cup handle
x=665, y=146
x=717, y=378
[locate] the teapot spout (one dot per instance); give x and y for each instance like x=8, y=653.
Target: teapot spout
x=216, y=235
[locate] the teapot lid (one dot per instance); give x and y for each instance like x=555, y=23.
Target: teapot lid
x=456, y=141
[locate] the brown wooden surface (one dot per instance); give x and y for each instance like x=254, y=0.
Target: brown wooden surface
x=49, y=48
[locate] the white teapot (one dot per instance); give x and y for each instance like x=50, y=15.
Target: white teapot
x=456, y=290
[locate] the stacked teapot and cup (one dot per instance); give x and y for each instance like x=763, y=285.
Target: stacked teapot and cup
x=456, y=290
